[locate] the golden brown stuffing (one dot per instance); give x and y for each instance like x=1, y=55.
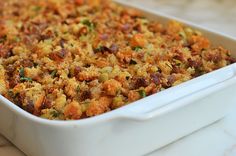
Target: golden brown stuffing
x=74, y=59
x=111, y=87
x=73, y=110
x=99, y=106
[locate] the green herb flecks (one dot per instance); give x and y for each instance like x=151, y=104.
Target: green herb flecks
x=22, y=72
x=22, y=75
x=137, y=48
x=11, y=93
x=98, y=49
x=53, y=73
x=142, y=93
x=37, y=8
x=177, y=62
x=101, y=49
x=78, y=88
x=89, y=24
x=17, y=39
x=55, y=113
x=3, y=39
x=26, y=79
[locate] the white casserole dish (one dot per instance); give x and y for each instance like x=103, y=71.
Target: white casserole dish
x=133, y=130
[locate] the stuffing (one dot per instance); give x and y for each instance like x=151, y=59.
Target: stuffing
x=75, y=59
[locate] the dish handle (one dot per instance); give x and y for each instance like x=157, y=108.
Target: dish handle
x=180, y=95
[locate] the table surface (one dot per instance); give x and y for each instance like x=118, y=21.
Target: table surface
x=218, y=139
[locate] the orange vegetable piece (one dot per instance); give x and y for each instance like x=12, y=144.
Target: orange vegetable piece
x=138, y=41
x=73, y=110
x=79, y=2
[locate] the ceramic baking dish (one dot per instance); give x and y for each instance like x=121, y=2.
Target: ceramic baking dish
x=133, y=130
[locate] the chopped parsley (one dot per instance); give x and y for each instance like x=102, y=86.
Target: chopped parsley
x=37, y=8
x=182, y=34
x=22, y=72
x=22, y=75
x=53, y=73
x=11, y=93
x=89, y=24
x=137, y=48
x=55, y=113
x=3, y=39
x=26, y=79
x=78, y=88
x=17, y=39
x=177, y=62
x=101, y=49
x=142, y=93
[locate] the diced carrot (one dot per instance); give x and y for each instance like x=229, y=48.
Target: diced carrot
x=199, y=43
x=73, y=110
x=138, y=41
x=102, y=63
x=39, y=102
x=79, y=2
x=125, y=56
x=111, y=87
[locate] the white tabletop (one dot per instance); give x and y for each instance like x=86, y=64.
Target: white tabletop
x=218, y=139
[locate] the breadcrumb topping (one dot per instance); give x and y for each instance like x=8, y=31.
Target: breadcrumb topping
x=74, y=59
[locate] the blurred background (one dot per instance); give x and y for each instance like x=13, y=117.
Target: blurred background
x=219, y=15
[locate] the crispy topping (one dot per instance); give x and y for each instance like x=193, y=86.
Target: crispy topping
x=156, y=78
x=74, y=59
x=85, y=95
x=140, y=82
